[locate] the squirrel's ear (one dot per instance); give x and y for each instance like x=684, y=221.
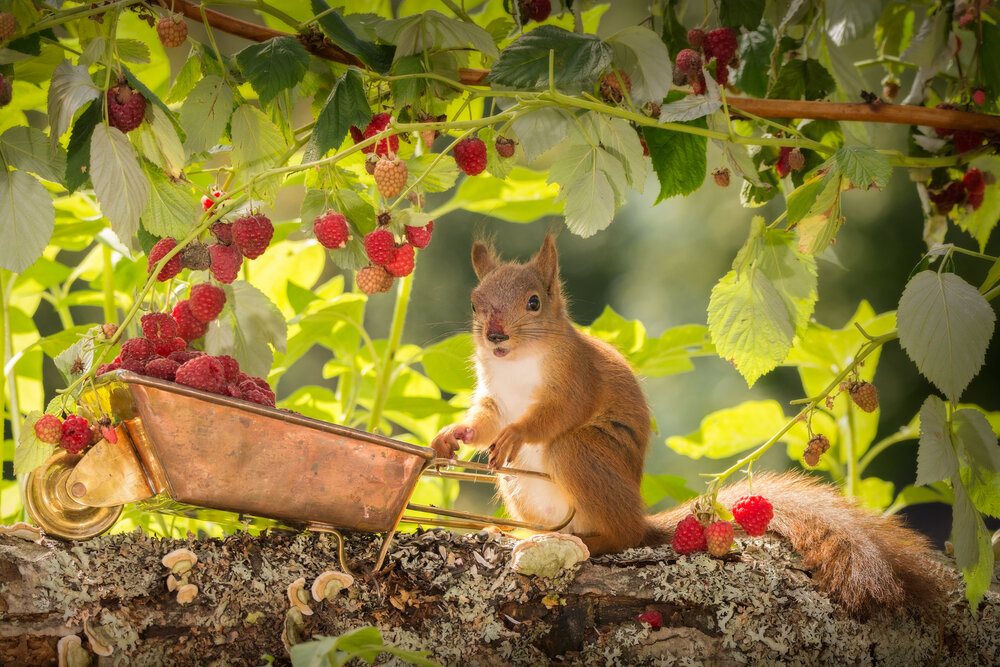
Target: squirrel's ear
x=547, y=262
x=483, y=260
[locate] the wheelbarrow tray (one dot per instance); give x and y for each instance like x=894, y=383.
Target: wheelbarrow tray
x=218, y=452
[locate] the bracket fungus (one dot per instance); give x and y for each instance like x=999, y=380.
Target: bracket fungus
x=329, y=583
x=294, y=627
x=22, y=530
x=70, y=652
x=180, y=560
x=298, y=597
x=100, y=643
x=546, y=554
x=186, y=593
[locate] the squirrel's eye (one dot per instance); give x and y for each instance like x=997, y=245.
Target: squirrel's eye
x=534, y=303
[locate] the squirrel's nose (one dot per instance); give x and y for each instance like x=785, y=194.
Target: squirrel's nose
x=497, y=337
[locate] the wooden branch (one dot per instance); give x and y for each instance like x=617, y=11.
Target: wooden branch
x=456, y=597
x=769, y=108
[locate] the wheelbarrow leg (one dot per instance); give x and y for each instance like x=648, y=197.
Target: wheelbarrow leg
x=386, y=543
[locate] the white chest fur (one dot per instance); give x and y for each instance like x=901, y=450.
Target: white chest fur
x=511, y=383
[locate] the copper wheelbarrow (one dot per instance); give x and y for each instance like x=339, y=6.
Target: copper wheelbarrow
x=181, y=448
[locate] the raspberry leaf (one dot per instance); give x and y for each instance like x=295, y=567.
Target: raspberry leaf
x=345, y=106
x=755, y=60
x=734, y=13
x=973, y=433
x=446, y=363
x=591, y=187
x=643, y=56
x=540, y=130
x=579, y=60
x=71, y=87
x=730, y=431
x=205, y=113
x=864, y=167
x=247, y=329
x=802, y=78
x=78, y=151
x=847, y=20
x=936, y=458
x=945, y=325
x=981, y=222
x=168, y=211
x=522, y=197
x=433, y=31
x=792, y=273
x=119, y=182
x=377, y=56
x=30, y=451
x=26, y=214
x=678, y=158
x=874, y=493
x=158, y=142
x=655, y=488
x=28, y=148
x=257, y=145
x=273, y=66
x=973, y=547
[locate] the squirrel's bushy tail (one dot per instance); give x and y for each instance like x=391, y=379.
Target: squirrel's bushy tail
x=864, y=561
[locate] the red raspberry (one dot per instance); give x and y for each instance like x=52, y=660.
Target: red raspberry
x=182, y=356
x=782, y=166
x=380, y=246
x=107, y=368
x=49, y=429
x=252, y=234
x=688, y=61
x=966, y=140
x=223, y=231
x=158, y=325
x=651, y=616
x=402, y=261
x=720, y=44
x=372, y=279
x=696, y=37
x=864, y=395
x=753, y=513
x=189, y=327
x=946, y=199
x=390, y=176
x=719, y=538
x=420, y=236
x=126, y=107
x=208, y=202
x=505, y=147
x=158, y=252
x=139, y=349
x=975, y=200
x=8, y=26
x=230, y=366
x=973, y=181
x=979, y=96
x=164, y=346
x=331, y=230
x=722, y=74
x=206, y=301
x=76, y=434
x=163, y=368
x=379, y=122
x=172, y=31
x=689, y=536
x=226, y=262
x=204, y=372
x=133, y=365
x=242, y=377
x=535, y=10
x=470, y=155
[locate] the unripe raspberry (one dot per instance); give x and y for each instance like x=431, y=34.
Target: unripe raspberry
x=252, y=234
x=109, y=329
x=331, y=230
x=688, y=61
x=696, y=37
x=76, y=434
x=6, y=90
x=158, y=252
x=402, y=261
x=208, y=202
x=688, y=536
x=390, y=176
x=372, y=279
x=380, y=246
x=206, y=301
x=753, y=513
x=719, y=538
x=420, y=237
x=470, y=155
x=226, y=262
x=172, y=31
x=864, y=395
x=505, y=147
x=796, y=160
x=126, y=107
x=721, y=176
x=890, y=88
x=49, y=429
x=204, y=372
x=8, y=26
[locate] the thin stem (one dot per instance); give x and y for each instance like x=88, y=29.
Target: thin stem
x=215, y=47
x=901, y=436
x=6, y=290
x=383, y=380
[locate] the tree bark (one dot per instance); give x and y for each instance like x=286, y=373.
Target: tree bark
x=455, y=596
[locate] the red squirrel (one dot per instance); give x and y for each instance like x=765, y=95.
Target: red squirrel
x=551, y=398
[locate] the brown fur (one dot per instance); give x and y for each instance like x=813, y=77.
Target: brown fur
x=592, y=420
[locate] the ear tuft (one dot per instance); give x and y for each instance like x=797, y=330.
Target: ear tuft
x=483, y=259
x=547, y=263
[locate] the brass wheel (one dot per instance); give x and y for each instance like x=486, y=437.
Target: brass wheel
x=51, y=506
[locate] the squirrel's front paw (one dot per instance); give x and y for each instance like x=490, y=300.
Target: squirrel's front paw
x=506, y=446
x=450, y=438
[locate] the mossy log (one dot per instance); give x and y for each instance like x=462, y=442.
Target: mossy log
x=456, y=596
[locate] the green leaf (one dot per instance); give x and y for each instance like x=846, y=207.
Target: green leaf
x=793, y=275
x=655, y=488
x=894, y=28
x=690, y=107
x=26, y=148
x=205, y=113
x=619, y=138
x=989, y=59
x=247, y=328
x=170, y=210
x=936, y=458
x=749, y=323
x=973, y=547
x=585, y=185
x=440, y=178
x=643, y=56
x=874, y=493
x=70, y=88
x=540, y=130
x=257, y=145
x=30, y=452
x=980, y=223
x=433, y=31
x=945, y=325
x=801, y=199
x=77, y=359
x=346, y=105
x=119, y=182
x=78, y=151
x=802, y=78
x=992, y=278
x=729, y=431
x=820, y=224
x=736, y=13
x=27, y=219
x=846, y=20
x=449, y=363
x=185, y=81
x=578, y=60
x=678, y=158
x=864, y=167
x=273, y=66
x=158, y=142
x=755, y=60
x=377, y=56
x=974, y=435
x=523, y=196
x=674, y=32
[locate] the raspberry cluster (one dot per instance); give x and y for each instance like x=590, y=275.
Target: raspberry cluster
x=719, y=45
x=752, y=513
x=379, y=122
x=389, y=258
x=967, y=191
